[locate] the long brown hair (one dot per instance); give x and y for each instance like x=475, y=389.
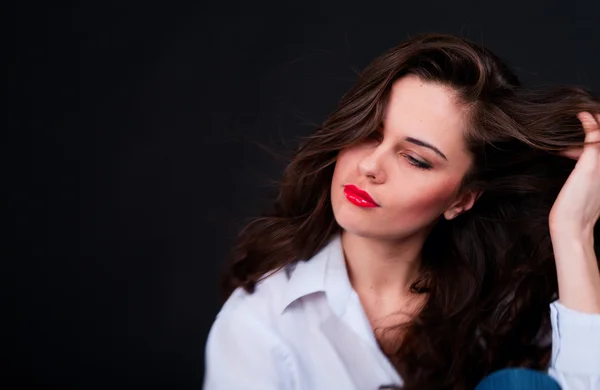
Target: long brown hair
x=489, y=274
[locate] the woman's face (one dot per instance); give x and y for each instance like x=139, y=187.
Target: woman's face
x=412, y=171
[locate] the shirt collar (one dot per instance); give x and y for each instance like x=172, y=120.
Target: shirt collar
x=325, y=272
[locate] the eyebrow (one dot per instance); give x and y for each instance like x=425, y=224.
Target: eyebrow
x=425, y=145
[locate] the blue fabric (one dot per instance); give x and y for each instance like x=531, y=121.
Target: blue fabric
x=517, y=379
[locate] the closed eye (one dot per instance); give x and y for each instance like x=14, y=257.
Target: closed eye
x=377, y=137
x=416, y=162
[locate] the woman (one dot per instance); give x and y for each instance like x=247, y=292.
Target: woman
x=424, y=237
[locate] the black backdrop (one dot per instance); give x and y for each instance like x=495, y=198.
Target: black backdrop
x=132, y=156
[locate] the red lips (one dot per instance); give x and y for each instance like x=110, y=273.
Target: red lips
x=359, y=197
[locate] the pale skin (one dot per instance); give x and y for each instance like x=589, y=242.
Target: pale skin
x=415, y=185
x=572, y=220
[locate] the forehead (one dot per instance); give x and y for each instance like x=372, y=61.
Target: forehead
x=427, y=111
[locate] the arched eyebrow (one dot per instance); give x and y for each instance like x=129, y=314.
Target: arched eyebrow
x=426, y=145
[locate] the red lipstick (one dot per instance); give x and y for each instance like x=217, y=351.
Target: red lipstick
x=359, y=197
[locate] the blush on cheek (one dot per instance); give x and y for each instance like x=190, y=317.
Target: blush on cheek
x=430, y=203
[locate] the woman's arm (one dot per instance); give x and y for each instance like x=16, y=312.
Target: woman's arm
x=572, y=220
x=576, y=316
x=577, y=268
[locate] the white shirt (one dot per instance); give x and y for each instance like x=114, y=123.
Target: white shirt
x=305, y=329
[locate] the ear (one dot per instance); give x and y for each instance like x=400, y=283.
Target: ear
x=463, y=203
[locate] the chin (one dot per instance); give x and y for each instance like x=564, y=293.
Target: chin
x=369, y=226
x=355, y=220
x=360, y=225
x=363, y=233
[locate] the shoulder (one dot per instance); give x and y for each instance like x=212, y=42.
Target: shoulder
x=263, y=305
x=245, y=344
x=249, y=321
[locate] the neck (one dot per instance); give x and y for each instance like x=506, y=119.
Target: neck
x=382, y=267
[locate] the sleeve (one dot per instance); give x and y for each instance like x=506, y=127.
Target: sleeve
x=575, y=360
x=243, y=353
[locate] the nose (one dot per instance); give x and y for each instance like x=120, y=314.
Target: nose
x=371, y=166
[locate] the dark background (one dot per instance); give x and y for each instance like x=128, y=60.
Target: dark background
x=132, y=155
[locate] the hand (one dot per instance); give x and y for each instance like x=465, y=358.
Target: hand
x=577, y=207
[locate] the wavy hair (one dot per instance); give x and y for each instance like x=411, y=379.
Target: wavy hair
x=489, y=274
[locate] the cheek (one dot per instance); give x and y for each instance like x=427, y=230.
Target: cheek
x=427, y=200
x=346, y=164
x=345, y=170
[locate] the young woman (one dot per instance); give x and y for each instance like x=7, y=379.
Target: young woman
x=432, y=231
